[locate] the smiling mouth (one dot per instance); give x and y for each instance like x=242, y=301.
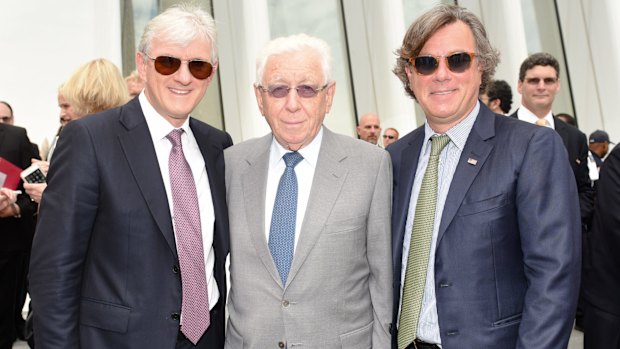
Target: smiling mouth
x=179, y=92
x=442, y=93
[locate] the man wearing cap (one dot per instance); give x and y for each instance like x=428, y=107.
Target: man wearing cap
x=599, y=146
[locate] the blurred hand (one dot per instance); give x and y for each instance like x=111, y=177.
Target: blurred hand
x=35, y=190
x=7, y=197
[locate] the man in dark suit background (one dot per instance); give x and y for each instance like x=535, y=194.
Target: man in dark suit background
x=26, y=233
x=110, y=259
x=539, y=83
x=496, y=263
x=15, y=240
x=601, y=279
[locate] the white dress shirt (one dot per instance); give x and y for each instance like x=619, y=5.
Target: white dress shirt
x=526, y=115
x=159, y=129
x=304, y=172
x=428, y=325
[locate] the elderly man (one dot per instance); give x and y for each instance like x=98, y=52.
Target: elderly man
x=369, y=128
x=133, y=230
x=309, y=216
x=486, y=254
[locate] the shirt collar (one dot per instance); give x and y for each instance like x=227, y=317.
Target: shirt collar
x=310, y=152
x=526, y=115
x=158, y=126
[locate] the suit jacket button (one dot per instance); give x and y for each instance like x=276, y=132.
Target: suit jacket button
x=281, y=345
x=285, y=304
x=175, y=316
x=175, y=269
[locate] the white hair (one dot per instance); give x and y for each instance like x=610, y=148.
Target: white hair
x=180, y=25
x=295, y=43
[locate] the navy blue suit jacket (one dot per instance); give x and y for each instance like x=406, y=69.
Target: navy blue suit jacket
x=508, y=249
x=104, y=267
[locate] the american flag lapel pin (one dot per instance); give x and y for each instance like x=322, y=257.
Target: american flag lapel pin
x=472, y=162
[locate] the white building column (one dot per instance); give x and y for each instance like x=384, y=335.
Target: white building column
x=503, y=21
x=243, y=28
x=375, y=30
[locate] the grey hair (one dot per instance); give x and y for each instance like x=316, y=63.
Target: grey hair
x=428, y=24
x=295, y=43
x=180, y=24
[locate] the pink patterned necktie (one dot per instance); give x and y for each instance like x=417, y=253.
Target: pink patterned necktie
x=195, y=304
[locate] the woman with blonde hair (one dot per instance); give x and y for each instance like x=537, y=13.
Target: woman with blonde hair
x=94, y=87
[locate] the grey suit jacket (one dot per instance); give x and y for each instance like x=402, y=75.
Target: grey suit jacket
x=338, y=293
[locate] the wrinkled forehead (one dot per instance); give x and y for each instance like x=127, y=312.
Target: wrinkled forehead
x=293, y=68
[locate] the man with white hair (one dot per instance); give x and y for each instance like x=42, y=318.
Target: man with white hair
x=309, y=217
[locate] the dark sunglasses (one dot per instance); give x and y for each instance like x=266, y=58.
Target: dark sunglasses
x=281, y=91
x=389, y=136
x=456, y=62
x=166, y=65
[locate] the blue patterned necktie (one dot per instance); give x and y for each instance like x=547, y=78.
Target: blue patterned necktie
x=282, y=232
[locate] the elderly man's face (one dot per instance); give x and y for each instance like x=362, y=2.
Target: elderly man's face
x=294, y=120
x=445, y=96
x=174, y=96
x=6, y=117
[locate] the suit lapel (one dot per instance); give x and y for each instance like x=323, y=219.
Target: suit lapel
x=561, y=129
x=138, y=148
x=473, y=157
x=254, y=183
x=329, y=176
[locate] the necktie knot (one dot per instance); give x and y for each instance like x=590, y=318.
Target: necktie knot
x=292, y=159
x=438, y=143
x=175, y=136
x=542, y=122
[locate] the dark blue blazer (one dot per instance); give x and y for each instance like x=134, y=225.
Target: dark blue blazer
x=104, y=269
x=508, y=249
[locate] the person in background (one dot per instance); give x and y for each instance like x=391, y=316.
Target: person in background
x=16, y=228
x=27, y=231
x=539, y=84
x=135, y=84
x=567, y=119
x=309, y=216
x=6, y=113
x=486, y=254
x=67, y=114
x=94, y=87
x=601, y=279
x=390, y=135
x=498, y=97
x=369, y=128
x=132, y=235
x=599, y=146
